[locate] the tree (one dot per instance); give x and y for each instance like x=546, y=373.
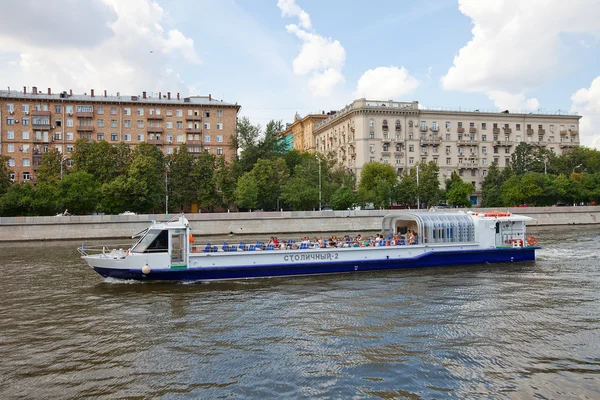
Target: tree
x=205, y=184
x=521, y=159
x=270, y=176
x=459, y=192
x=79, y=192
x=50, y=167
x=428, y=188
x=97, y=158
x=45, y=201
x=454, y=177
x=491, y=187
x=246, y=192
x=300, y=192
x=405, y=192
x=226, y=178
x=5, y=172
x=247, y=140
x=17, y=200
x=180, y=182
x=376, y=183
x=343, y=198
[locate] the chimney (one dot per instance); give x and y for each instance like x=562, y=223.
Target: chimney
x=144, y=95
x=177, y=96
x=70, y=92
x=49, y=91
x=104, y=92
x=209, y=97
x=34, y=89
x=160, y=95
x=92, y=92
x=24, y=89
x=168, y=95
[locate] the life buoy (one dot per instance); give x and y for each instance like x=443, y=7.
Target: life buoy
x=531, y=240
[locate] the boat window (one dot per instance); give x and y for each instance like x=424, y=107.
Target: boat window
x=155, y=241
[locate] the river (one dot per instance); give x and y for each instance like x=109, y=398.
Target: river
x=527, y=330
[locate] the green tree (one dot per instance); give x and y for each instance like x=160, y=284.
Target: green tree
x=79, y=192
x=428, y=188
x=226, y=178
x=454, y=177
x=300, y=191
x=406, y=190
x=180, y=180
x=459, y=192
x=376, y=183
x=205, y=181
x=97, y=158
x=50, y=167
x=343, y=198
x=270, y=176
x=17, y=200
x=521, y=159
x=491, y=187
x=146, y=182
x=246, y=192
x=5, y=172
x=46, y=199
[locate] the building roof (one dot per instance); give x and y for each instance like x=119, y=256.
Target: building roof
x=135, y=99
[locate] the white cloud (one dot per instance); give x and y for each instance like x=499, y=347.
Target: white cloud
x=319, y=56
x=130, y=52
x=586, y=102
x=516, y=45
x=511, y=101
x=289, y=8
x=385, y=83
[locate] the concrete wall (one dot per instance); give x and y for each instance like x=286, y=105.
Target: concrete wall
x=258, y=223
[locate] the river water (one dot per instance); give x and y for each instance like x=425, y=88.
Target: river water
x=527, y=330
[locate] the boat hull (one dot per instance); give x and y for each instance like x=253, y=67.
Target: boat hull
x=429, y=259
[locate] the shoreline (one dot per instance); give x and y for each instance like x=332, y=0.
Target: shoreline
x=250, y=223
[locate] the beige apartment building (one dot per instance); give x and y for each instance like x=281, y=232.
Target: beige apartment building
x=32, y=122
x=299, y=134
x=401, y=134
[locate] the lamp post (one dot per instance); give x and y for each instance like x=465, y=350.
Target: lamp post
x=319, y=159
x=166, y=192
x=577, y=166
x=62, y=161
x=418, y=198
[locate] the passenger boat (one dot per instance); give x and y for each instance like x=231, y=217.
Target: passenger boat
x=166, y=251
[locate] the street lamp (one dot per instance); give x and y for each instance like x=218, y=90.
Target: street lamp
x=319, y=159
x=166, y=192
x=62, y=161
x=577, y=167
x=418, y=198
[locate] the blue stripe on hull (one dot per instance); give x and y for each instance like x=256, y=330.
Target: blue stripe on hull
x=430, y=259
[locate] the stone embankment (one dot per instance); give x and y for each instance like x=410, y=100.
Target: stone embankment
x=256, y=223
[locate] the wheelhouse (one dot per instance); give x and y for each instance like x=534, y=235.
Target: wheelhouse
x=431, y=227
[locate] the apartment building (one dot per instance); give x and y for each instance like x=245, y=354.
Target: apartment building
x=300, y=132
x=32, y=122
x=468, y=142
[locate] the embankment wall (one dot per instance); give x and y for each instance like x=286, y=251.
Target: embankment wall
x=257, y=223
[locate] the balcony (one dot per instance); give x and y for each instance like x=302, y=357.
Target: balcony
x=538, y=144
x=40, y=113
x=86, y=114
x=155, y=129
x=193, y=118
x=41, y=139
x=541, y=131
x=432, y=141
x=423, y=128
x=564, y=132
x=84, y=128
x=158, y=117
x=159, y=142
x=496, y=131
x=399, y=153
x=41, y=126
x=468, y=142
x=472, y=130
x=529, y=131
x=385, y=152
x=435, y=129
x=468, y=165
x=193, y=130
x=568, y=145
x=385, y=127
x=573, y=132
x=507, y=131
x=503, y=143
x=460, y=130
x=398, y=128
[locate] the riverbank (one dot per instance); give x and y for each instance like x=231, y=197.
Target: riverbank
x=250, y=223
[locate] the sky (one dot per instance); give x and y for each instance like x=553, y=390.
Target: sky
x=279, y=57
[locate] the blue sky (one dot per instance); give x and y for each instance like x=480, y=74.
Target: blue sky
x=277, y=57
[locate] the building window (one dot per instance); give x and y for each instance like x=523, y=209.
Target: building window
x=113, y=137
x=207, y=125
x=179, y=113
x=57, y=109
x=506, y=150
x=411, y=148
x=10, y=148
x=69, y=121
x=219, y=113
x=484, y=137
x=25, y=122
x=448, y=161
x=126, y=123
x=10, y=121
x=372, y=159
x=206, y=138
x=11, y=162
x=140, y=111
x=398, y=160
x=140, y=137
x=127, y=137
x=483, y=126
x=471, y=124
x=100, y=136
x=26, y=176
x=411, y=160
x=448, y=136
x=219, y=126
x=10, y=135
x=484, y=149
x=69, y=136
x=518, y=127
x=113, y=123
x=372, y=148
x=169, y=124
x=460, y=124
x=448, y=125
x=113, y=111
x=10, y=107
x=26, y=162
x=127, y=111
x=505, y=126
x=140, y=123
x=100, y=123
x=219, y=150
x=179, y=124
x=25, y=135
x=371, y=135
x=180, y=138
x=84, y=108
x=219, y=138
x=484, y=161
x=207, y=114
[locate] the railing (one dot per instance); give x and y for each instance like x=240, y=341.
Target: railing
x=468, y=142
x=460, y=130
x=530, y=131
x=503, y=143
x=472, y=130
